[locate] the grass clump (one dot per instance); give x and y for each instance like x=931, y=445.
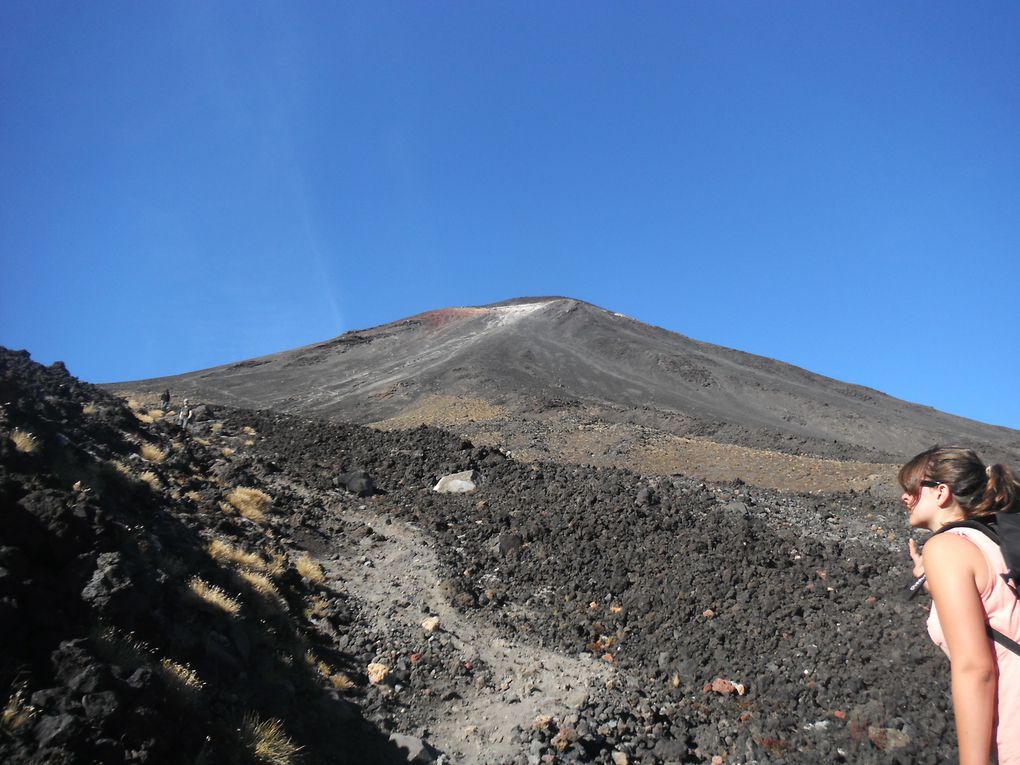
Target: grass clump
x=227, y=451
x=213, y=596
x=227, y=553
x=150, y=478
x=17, y=712
x=89, y=409
x=180, y=676
x=248, y=430
x=251, y=503
x=309, y=569
x=24, y=441
x=267, y=742
x=264, y=586
x=152, y=453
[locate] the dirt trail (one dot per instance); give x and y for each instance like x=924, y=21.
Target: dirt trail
x=526, y=681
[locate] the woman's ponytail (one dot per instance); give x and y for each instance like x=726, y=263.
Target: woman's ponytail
x=1001, y=494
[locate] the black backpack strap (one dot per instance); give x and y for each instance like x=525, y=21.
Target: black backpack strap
x=1005, y=642
x=984, y=528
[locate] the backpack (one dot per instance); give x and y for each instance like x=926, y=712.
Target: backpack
x=1004, y=530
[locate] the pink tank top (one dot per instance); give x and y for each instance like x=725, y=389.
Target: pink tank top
x=1003, y=611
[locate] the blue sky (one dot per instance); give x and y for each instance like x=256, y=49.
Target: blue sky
x=836, y=185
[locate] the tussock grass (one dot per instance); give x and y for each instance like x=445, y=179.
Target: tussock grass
x=156, y=414
x=248, y=430
x=122, y=648
x=251, y=503
x=152, y=453
x=24, y=441
x=180, y=675
x=267, y=741
x=143, y=417
x=134, y=405
x=277, y=565
x=17, y=711
x=213, y=596
x=227, y=451
x=89, y=409
x=120, y=467
x=309, y=569
x=264, y=586
x=193, y=495
x=227, y=553
x=151, y=479
x=249, y=443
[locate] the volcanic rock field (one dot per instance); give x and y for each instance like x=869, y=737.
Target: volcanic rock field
x=220, y=596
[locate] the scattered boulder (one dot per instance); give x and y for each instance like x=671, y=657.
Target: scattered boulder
x=458, y=483
x=358, y=482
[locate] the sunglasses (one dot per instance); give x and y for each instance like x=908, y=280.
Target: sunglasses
x=929, y=484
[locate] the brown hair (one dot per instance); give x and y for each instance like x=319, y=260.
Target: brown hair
x=979, y=490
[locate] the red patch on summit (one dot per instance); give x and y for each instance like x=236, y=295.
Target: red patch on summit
x=447, y=315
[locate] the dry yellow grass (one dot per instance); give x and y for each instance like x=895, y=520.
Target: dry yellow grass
x=248, y=430
x=133, y=405
x=227, y=451
x=267, y=741
x=24, y=441
x=156, y=414
x=151, y=479
x=226, y=553
x=309, y=569
x=251, y=503
x=319, y=607
x=277, y=565
x=263, y=585
x=89, y=409
x=17, y=711
x=193, y=495
x=142, y=417
x=214, y=596
x=249, y=443
x=180, y=675
x=120, y=467
x=152, y=453
x=216, y=427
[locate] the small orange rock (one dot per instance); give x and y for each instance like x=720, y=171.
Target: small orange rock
x=415, y=658
x=839, y=714
x=608, y=657
x=871, y=600
x=708, y=613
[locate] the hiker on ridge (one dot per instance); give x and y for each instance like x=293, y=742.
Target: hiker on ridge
x=164, y=401
x=185, y=416
x=946, y=489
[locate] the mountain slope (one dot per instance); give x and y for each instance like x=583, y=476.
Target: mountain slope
x=555, y=365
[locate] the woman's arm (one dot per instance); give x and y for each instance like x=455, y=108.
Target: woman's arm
x=952, y=563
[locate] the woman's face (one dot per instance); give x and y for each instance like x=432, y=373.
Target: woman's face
x=923, y=507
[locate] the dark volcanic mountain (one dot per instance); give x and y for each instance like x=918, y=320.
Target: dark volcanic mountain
x=560, y=378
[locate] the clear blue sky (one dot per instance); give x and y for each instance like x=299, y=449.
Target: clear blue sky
x=833, y=184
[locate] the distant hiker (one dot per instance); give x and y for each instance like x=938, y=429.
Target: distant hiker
x=164, y=401
x=185, y=415
x=975, y=614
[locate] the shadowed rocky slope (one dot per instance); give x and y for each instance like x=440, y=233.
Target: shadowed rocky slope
x=561, y=613
x=560, y=379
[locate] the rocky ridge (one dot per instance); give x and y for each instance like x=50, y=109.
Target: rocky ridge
x=560, y=613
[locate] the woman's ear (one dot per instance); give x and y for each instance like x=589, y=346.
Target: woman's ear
x=944, y=495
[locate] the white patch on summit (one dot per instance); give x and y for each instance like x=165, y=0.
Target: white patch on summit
x=505, y=315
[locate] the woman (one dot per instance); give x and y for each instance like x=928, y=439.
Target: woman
x=964, y=571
